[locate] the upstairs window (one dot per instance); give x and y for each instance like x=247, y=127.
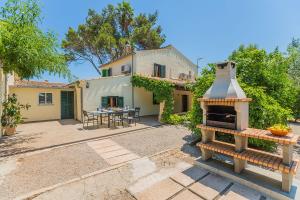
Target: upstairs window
x=106, y=72
x=45, y=98
x=159, y=70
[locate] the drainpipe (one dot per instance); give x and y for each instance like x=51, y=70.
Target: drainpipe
x=132, y=88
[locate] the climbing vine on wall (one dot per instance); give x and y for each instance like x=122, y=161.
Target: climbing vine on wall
x=162, y=90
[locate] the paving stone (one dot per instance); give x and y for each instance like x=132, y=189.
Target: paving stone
x=210, y=186
x=108, y=149
x=238, y=191
x=160, y=191
x=101, y=144
x=189, y=176
x=121, y=159
x=186, y=195
x=115, y=153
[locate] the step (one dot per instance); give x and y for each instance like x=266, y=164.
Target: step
x=253, y=156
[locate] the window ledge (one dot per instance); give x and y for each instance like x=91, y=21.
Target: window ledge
x=46, y=104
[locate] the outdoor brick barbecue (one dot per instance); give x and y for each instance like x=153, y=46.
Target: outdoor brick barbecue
x=226, y=110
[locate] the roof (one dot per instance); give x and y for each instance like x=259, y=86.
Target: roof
x=38, y=84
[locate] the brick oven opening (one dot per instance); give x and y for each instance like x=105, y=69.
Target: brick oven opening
x=221, y=116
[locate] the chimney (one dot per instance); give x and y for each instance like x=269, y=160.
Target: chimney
x=225, y=84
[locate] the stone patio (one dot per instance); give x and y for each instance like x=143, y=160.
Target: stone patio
x=42, y=135
x=195, y=183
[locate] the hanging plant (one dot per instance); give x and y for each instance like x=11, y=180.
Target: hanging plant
x=163, y=91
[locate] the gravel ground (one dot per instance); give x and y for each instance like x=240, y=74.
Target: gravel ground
x=48, y=168
x=28, y=172
x=104, y=187
x=152, y=141
x=295, y=127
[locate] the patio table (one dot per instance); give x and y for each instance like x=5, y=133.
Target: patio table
x=108, y=113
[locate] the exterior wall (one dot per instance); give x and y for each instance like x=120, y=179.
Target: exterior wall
x=106, y=86
x=143, y=63
x=174, y=61
x=178, y=100
x=77, y=101
x=117, y=86
x=116, y=66
x=39, y=112
x=144, y=100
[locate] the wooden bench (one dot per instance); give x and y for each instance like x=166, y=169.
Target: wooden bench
x=242, y=154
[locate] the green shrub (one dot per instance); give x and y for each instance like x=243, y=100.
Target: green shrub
x=177, y=119
x=163, y=91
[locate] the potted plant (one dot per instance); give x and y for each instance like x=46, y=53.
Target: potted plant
x=11, y=115
x=279, y=130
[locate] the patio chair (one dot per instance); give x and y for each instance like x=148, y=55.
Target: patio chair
x=117, y=117
x=130, y=117
x=137, y=113
x=88, y=118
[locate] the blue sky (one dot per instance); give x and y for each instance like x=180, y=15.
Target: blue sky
x=207, y=29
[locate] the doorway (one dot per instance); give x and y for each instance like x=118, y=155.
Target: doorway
x=67, y=104
x=184, y=101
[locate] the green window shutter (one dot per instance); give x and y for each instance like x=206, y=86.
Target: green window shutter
x=104, y=102
x=104, y=72
x=154, y=100
x=155, y=69
x=163, y=71
x=109, y=72
x=120, y=102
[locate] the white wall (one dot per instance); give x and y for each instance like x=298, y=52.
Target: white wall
x=117, y=86
x=106, y=86
x=116, y=66
x=175, y=62
x=144, y=99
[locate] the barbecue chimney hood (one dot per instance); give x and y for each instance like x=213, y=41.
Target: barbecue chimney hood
x=225, y=84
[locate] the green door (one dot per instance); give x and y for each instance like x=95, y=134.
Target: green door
x=67, y=104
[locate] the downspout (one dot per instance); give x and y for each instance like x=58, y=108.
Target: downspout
x=132, y=87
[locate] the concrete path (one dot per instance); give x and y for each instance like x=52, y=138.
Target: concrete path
x=169, y=175
x=43, y=135
x=29, y=172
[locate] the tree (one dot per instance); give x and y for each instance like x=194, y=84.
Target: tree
x=24, y=48
x=294, y=57
x=105, y=36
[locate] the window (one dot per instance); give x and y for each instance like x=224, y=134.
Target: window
x=45, y=98
x=159, y=70
x=106, y=72
x=112, y=101
x=154, y=100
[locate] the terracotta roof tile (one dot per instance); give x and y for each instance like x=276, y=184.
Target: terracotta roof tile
x=38, y=84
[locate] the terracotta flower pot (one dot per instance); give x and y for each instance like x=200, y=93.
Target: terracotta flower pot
x=10, y=130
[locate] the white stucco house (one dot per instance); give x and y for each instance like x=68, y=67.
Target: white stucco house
x=114, y=88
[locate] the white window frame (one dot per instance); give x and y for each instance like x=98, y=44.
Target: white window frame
x=46, y=103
